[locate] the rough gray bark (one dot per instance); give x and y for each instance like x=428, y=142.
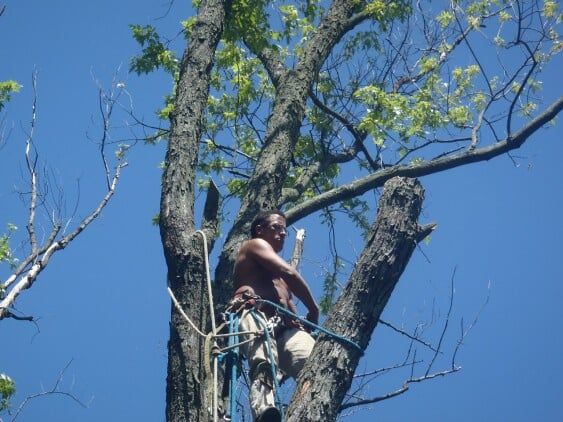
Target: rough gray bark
x=328, y=373
x=185, y=392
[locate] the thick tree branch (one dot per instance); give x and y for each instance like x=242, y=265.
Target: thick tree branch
x=357, y=19
x=271, y=60
x=177, y=199
x=32, y=257
x=378, y=178
x=335, y=24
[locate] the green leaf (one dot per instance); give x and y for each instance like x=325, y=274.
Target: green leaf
x=6, y=89
x=6, y=254
x=7, y=390
x=154, y=54
x=445, y=18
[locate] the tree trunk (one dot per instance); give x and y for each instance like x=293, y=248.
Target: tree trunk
x=185, y=384
x=328, y=373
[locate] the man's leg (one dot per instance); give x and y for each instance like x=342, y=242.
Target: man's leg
x=294, y=347
x=261, y=389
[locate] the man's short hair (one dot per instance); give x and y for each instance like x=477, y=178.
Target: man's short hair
x=261, y=218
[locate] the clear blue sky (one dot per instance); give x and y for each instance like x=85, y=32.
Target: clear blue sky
x=102, y=302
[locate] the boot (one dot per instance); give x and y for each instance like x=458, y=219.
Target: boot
x=270, y=414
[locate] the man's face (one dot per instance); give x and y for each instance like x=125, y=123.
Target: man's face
x=273, y=231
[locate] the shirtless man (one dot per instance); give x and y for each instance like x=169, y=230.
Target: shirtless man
x=260, y=271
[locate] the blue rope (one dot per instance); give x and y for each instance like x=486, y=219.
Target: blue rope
x=233, y=355
x=310, y=324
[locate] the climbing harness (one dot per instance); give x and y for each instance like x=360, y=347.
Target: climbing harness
x=230, y=354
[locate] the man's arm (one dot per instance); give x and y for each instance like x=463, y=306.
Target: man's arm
x=263, y=253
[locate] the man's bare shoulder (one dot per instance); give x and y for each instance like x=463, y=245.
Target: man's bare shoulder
x=254, y=244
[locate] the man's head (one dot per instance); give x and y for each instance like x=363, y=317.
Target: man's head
x=270, y=226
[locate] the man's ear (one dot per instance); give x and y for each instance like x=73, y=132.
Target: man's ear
x=258, y=229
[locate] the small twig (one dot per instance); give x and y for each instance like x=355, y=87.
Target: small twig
x=435, y=375
x=445, y=324
x=380, y=370
x=398, y=330
x=464, y=333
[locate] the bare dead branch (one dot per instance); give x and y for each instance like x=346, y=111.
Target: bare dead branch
x=297, y=248
x=53, y=391
x=435, y=375
x=27, y=280
x=105, y=121
x=31, y=168
x=86, y=221
x=32, y=256
x=19, y=318
x=399, y=391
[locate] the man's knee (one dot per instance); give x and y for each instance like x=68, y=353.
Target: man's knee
x=296, y=346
